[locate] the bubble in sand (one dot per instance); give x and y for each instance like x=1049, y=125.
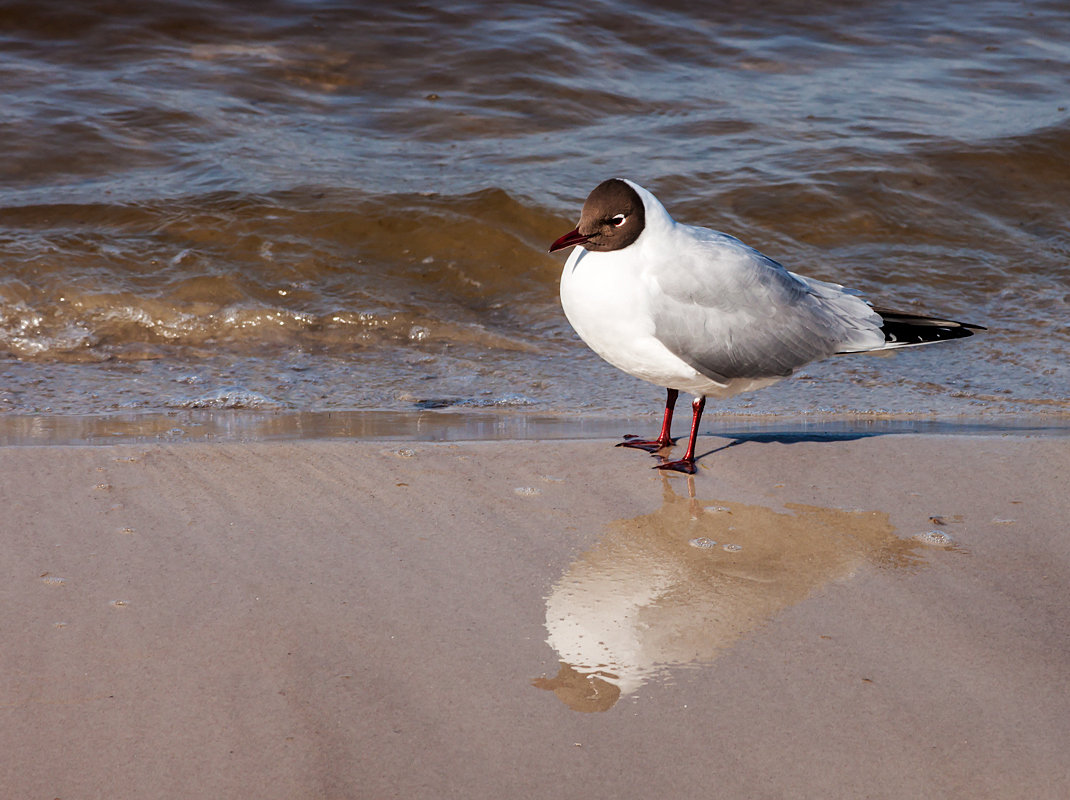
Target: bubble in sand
x=703, y=543
x=733, y=548
x=53, y=580
x=934, y=538
x=118, y=603
x=526, y=491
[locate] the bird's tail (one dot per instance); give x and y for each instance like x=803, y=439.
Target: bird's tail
x=908, y=330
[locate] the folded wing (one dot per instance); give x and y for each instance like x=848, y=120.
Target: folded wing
x=730, y=312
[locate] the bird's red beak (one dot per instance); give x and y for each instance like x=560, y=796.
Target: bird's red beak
x=569, y=239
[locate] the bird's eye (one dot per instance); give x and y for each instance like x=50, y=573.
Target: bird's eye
x=618, y=220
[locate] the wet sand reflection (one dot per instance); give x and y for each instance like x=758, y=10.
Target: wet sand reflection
x=679, y=585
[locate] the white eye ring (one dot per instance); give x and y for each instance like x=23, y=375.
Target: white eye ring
x=618, y=220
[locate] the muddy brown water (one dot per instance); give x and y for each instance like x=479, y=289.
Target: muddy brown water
x=307, y=206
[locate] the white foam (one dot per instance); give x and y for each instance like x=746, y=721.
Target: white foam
x=934, y=538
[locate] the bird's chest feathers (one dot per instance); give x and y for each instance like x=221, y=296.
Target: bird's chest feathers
x=606, y=300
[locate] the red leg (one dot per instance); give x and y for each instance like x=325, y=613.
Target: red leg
x=664, y=438
x=687, y=463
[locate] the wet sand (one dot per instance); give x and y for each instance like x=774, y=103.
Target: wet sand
x=329, y=619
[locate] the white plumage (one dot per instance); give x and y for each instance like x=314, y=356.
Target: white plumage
x=699, y=311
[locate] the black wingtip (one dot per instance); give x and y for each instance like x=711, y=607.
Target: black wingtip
x=903, y=330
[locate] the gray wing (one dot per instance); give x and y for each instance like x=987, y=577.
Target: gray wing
x=731, y=312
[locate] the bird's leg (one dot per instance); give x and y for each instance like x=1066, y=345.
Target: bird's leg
x=664, y=438
x=687, y=463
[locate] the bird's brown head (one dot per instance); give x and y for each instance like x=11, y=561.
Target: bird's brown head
x=612, y=218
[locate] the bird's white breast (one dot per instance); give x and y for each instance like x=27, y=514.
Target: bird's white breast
x=606, y=297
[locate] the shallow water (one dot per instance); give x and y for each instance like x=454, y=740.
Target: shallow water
x=305, y=206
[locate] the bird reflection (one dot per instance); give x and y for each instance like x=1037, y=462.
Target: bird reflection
x=679, y=585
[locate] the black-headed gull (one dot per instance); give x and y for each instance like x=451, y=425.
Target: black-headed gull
x=695, y=310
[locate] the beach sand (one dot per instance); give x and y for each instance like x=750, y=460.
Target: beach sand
x=335, y=619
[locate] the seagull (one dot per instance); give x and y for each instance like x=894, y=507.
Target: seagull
x=698, y=311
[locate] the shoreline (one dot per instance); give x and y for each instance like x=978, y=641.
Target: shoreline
x=246, y=425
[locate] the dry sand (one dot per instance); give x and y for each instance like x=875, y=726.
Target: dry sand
x=324, y=619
